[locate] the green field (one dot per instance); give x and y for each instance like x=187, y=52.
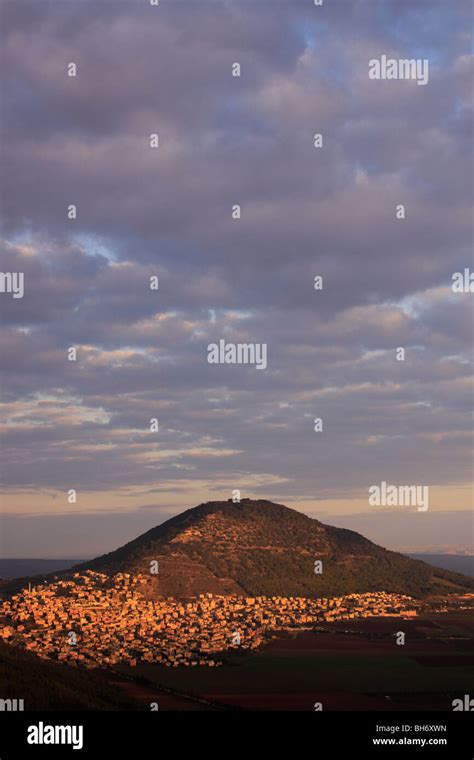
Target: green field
x=270, y=671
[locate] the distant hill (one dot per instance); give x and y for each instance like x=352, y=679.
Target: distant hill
x=19, y=568
x=261, y=548
x=460, y=563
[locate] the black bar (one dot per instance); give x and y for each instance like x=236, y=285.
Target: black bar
x=158, y=734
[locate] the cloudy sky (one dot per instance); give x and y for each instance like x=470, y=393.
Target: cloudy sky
x=167, y=212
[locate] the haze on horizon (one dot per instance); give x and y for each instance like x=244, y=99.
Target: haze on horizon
x=142, y=354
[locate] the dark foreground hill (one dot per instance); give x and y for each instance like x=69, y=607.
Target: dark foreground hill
x=45, y=685
x=262, y=548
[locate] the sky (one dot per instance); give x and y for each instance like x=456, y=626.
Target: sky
x=166, y=212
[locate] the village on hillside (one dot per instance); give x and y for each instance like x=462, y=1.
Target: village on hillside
x=93, y=619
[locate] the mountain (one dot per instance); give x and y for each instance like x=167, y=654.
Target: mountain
x=459, y=563
x=257, y=547
x=17, y=568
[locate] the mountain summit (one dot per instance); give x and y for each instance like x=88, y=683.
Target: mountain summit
x=256, y=547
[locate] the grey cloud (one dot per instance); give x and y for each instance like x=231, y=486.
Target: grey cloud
x=304, y=212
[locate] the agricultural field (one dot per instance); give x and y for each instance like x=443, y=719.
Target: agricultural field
x=356, y=665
